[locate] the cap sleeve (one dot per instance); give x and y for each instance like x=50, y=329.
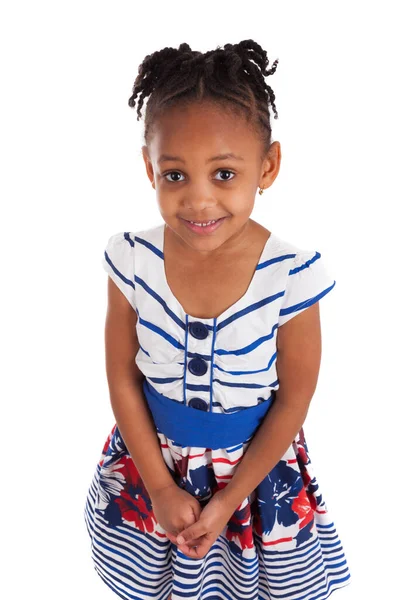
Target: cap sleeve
x=308, y=281
x=119, y=262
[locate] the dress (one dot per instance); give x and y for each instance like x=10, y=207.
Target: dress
x=281, y=542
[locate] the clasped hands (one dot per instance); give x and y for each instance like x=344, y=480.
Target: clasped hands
x=191, y=528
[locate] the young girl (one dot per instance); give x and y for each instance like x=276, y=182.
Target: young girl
x=205, y=488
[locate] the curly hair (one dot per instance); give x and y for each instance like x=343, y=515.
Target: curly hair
x=232, y=76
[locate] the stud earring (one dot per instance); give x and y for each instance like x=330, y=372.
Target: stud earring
x=260, y=191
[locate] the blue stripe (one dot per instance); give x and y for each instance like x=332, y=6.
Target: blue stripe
x=157, y=297
x=306, y=303
x=207, y=357
x=251, y=575
x=242, y=385
x=150, y=246
x=221, y=593
x=160, y=332
x=186, y=357
x=313, y=562
x=231, y=410
x=145, y=351
x=234, y=449
x=217, y=562
x=212, y=363
x=307, y=589
x=267, y=368
x=107, y=567
x=203, y=387
x=194, y=591
x=112, y=585
x=223, y=352
x=128, y=239
x=249, y=309
x=251, y=346
x=323, y=595
x=118, y=273
x=163, y=379
x=128, y=562
x=198, y=387
x=306, y=264
x=154, y=548
x=276, y=259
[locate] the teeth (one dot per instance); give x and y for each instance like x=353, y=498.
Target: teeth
x=202, y=224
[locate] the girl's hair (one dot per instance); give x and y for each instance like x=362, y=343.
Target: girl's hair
x=225, y=76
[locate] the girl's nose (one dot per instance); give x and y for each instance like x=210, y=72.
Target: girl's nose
x=199, y=202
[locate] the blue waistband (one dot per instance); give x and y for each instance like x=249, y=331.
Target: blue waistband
x=189, y=426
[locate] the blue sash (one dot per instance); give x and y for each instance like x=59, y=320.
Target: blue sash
x=189, y=426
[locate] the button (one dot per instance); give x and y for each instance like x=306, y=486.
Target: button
x=198, y=403
x=197, y=366
x=198, y=330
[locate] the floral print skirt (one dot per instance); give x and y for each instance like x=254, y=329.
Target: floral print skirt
x=280, y=543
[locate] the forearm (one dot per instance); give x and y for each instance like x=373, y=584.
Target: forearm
x=274, y=436
x=136, y=425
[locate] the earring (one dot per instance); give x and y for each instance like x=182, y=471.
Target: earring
x=260, y=191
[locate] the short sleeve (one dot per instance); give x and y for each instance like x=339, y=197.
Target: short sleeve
x=308, y=281
x=119, y=262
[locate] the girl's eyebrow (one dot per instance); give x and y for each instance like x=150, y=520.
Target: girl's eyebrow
x=166, y=157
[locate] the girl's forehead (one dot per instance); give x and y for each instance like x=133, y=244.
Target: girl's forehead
x=208, y=149
x=210, y=132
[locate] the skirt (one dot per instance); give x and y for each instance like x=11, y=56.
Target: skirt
x=279, y=544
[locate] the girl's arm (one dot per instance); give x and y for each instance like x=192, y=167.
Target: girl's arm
x=298, y=363
x=129, y=405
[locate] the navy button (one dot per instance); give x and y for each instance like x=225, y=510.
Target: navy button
x=197, y=366
x=198, y=403
x=198, y=330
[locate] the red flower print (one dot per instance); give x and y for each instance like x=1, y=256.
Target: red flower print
x=134, y=501
x=239, y=528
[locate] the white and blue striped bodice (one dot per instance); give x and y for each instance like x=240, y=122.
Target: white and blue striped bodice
x=222, y=364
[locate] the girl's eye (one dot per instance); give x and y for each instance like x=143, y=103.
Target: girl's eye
x=225, y=171
x=172, y=173
x=178, y=173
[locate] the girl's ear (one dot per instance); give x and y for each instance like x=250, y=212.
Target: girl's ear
x=148, y=164
x=271, y=165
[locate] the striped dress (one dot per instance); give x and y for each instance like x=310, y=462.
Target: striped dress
x=281, y=542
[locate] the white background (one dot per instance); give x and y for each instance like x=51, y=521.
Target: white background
x=72, y=175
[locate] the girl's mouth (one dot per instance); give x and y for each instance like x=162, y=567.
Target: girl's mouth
x=203, y=229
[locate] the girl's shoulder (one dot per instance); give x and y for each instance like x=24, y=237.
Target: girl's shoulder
x=119, y=257
x=305, y=279
x=119, y=262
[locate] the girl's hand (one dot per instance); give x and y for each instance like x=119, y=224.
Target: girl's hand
x=198, y=538
x=174, y=508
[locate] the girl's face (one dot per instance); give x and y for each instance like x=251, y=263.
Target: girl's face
x=194, y=182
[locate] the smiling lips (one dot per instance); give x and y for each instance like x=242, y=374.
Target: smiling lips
x=202, y=222
x=202, y=229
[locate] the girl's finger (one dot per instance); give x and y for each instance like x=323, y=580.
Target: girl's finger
x=198, y=551
x=192, y=543
x=190, y=552
x=172, y=538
